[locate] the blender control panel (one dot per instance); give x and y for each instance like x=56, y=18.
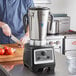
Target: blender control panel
x=45, y=55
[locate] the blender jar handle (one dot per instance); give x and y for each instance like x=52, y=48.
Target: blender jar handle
x=25, y=22
x=51, y=18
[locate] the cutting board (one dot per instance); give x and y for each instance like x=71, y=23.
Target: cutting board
x=18, y=55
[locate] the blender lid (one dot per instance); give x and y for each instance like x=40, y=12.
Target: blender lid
x=39, y=8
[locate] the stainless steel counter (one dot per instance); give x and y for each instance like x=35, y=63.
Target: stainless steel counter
x=55, y=37
x=61, y=68
x=62, y=35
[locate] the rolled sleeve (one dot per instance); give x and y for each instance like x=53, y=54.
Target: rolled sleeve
x=28, y=4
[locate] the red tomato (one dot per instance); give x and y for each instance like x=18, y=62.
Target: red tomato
x=10, y=51
x=6, y=48
x=2, y=51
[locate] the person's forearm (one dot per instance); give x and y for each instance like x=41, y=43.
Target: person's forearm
x=5, y=28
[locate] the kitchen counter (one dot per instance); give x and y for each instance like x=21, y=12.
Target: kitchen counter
x=16, y=68
x=61, y=68
x=19, y=69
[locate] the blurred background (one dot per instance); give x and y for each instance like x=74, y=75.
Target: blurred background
x=62, y=7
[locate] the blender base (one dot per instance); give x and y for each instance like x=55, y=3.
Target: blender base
x=32, y=52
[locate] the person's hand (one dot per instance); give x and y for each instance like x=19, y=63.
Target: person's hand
x=6, y=30
x=25, y=38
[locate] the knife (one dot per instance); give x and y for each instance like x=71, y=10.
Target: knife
x=16, y=40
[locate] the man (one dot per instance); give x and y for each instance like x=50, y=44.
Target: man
x=11, y=19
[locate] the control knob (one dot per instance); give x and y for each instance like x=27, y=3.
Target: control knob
x=43, y=53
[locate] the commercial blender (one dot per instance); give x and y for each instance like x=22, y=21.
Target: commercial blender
x=38, y=57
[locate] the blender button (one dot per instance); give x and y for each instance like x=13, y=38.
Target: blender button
x=57, y=42
x=48, y=57
x=38, y=58
x=43, y=53
x=50, y=43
